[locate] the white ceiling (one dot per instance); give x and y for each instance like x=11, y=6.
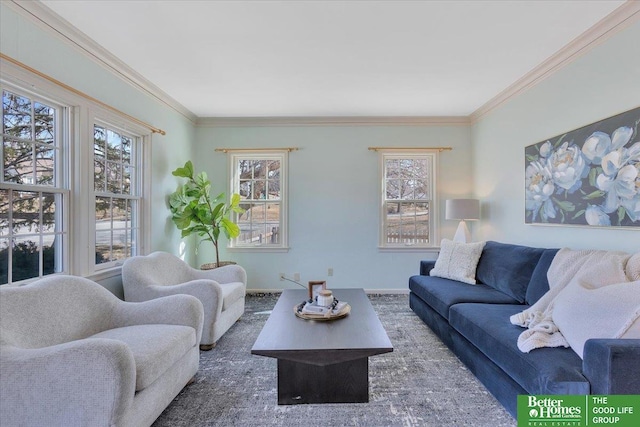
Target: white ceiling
x=332, y=58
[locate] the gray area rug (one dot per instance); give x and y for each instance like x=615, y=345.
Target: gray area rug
x=421, y=383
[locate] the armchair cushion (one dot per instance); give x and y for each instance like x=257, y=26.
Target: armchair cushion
x=155, y=348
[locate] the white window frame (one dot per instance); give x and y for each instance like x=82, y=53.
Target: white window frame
x=78, y=169
x=60, y=187
x=234, y=185
x=432, y=156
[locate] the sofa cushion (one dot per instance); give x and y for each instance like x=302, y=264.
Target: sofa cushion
x=542, y=371
x=441, y=293
x=458, y=261
x=539, y=283
x=231, y=292
x=508, y=268
x=155, y=348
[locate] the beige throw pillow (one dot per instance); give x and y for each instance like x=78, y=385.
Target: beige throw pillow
x=458, y=261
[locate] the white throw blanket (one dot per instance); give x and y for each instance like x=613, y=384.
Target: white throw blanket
x=574, y=270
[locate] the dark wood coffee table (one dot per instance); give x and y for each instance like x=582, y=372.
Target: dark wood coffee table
x=323, y=361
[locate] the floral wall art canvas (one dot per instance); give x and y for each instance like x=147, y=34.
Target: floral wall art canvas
x=586, y=177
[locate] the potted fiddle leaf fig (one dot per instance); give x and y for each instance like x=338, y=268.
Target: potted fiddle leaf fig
x=194, y=211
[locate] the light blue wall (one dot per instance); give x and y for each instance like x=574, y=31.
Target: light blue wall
x=28, y=43
x=603, y=82
x=334, y=198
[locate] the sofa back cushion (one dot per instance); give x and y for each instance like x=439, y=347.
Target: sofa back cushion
x=508, y=268
x=539, y=283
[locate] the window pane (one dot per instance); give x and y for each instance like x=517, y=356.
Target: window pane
x=103, y=213
x=16, y=115
x=259, y=169
x=103, y=246
x=99, y=138
x=45, y=161
x=113, y=177
x=49, y=213
x=259, y=188
x=133, y=244
x=4, y=212
x=119, y=247
x=44, y=120
x=26, y=258
x=245, y=189
x=18, y=161
x=4, y=261
x=274, y=233
x=50, y=255
x=393, y=189
x=273, y=169
x=126, y=150
x=99, y=175
x=131, y=206
x=407, y=223
x=26, y=212
x=272, y=213
x=113, y=146
x=127, y=172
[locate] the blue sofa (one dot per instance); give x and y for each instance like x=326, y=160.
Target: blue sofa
x=473, y=321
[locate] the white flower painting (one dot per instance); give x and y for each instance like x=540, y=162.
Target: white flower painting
x=589, y=176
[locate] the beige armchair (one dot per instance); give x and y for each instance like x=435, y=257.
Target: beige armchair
x=73, y=354
x=221, y=291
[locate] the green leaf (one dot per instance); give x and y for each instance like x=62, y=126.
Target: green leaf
x=182, y=220
x=531, y=157
x=594, y=195
x=231, y=229
x=215, y=214
x=202, y=181
x=565, y=206
x=219, y=198
x=579, y=213
x=592, y=177
x=184, y=172
x=621, y=213
x=558, y=142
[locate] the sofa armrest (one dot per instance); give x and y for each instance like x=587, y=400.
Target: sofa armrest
x=612, y=366
x=84, y=382
x=426, y=266
x=180, y=309
x=226, y=274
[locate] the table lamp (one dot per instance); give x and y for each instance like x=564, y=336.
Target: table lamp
x=464, y=210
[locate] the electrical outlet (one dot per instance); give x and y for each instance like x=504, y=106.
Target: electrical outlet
x=330, y=271
x=296, y=277
x=282, y=277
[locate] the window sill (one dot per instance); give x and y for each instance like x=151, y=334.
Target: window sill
x=258, y=249
x=423, y=249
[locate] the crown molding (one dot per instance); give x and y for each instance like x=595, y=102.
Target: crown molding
x=621, y=18
x=332, y=121
x=48, y=20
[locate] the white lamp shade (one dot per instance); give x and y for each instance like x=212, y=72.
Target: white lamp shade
x=462, y=209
